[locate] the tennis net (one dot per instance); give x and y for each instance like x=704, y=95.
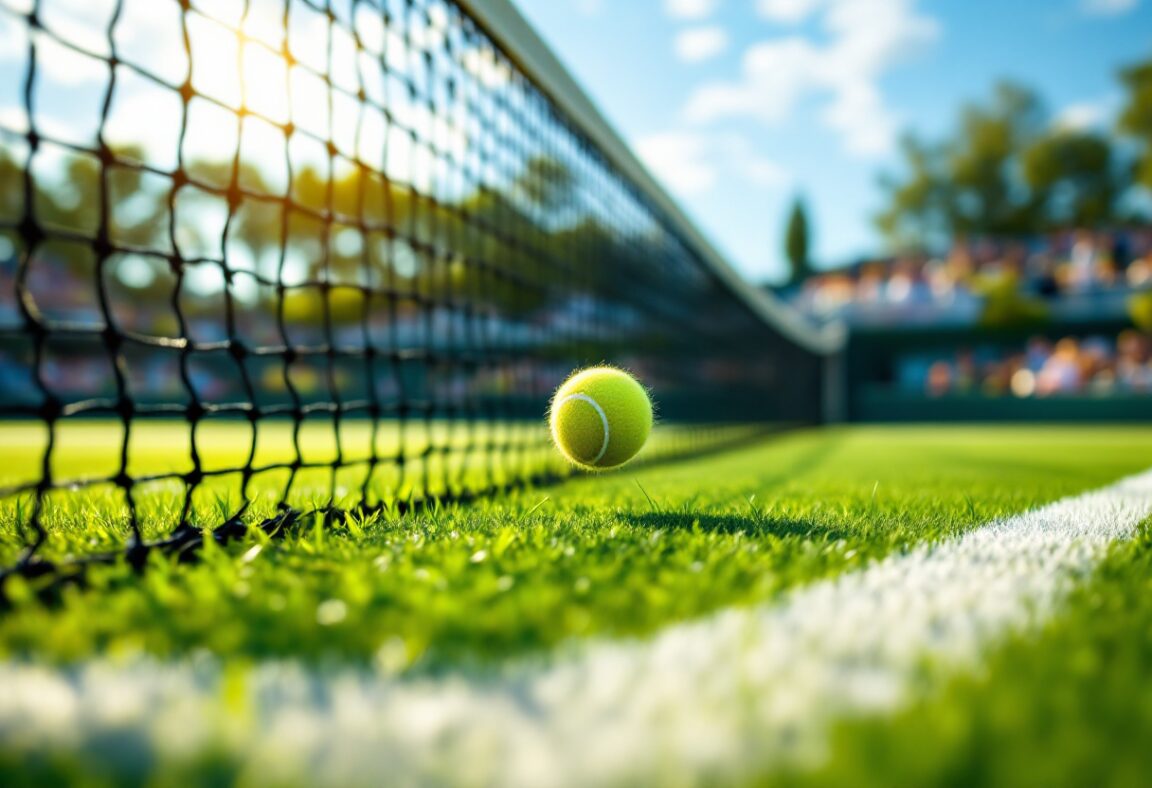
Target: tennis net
x=265, y=257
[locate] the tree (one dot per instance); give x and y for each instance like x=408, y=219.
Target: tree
x=1073, y=178
x=1136, y=118
x=918, y=212
x=797, y=241
x=972, y=181
x=989, y=195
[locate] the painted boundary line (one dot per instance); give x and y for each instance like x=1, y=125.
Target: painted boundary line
x=714, y=698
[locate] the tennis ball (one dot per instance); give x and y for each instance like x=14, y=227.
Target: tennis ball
x=600, y=417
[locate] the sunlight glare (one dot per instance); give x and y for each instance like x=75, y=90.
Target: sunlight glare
x=264, y=81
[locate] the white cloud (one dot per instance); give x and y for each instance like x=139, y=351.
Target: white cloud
x=740, y=157
x=1108, y=7
x=13, y=40
x=1078, y=117
x=690, y=9
x=776, y=73
x=691, y=163
x=1085, y=115
x=787, y=11
x=680, y=160
x=864, y=39
x=700, y=43
x=865, y=125
x=64, y=66
x=14, y=119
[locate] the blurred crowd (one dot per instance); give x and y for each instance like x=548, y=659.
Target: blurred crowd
x=1094, y=365
x=901, y=291
x=1060, y=265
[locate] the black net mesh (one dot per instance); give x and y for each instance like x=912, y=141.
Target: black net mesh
x=286, y=255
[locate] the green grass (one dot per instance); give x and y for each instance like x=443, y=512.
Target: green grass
x=440, y=458
x=621, y=554
x=1071, y=706
x=626, y=554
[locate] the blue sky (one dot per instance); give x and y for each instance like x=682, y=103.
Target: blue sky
x=737, y=105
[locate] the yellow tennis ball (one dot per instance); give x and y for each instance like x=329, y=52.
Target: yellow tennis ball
x=600, y=417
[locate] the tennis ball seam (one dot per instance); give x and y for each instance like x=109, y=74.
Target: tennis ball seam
x=603, y=421
x=578, y=444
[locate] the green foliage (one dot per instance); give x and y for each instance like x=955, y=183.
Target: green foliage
x=982, y=163
x=797, y=242
x=1140, y=310
x=918, y=211
x=1074, y=179
x=353, y=228
x=1136, y=117
x=1006, y=307
x=71, y=198
x=1002, y=171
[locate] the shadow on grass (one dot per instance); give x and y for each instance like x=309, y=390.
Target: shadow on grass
x=751, y=524
x=754, y=522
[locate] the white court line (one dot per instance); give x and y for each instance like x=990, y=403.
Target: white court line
x=714, y=698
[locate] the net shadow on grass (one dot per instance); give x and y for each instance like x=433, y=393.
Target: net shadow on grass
x=49, y=578
x=752, y=523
